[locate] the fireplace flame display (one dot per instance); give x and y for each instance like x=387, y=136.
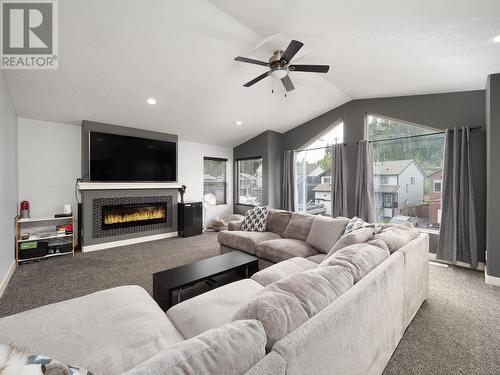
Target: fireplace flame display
x=131, y=215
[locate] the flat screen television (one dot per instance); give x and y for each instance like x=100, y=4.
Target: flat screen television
x=120, y=158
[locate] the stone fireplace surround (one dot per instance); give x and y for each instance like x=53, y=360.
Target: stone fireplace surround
x=97, y=195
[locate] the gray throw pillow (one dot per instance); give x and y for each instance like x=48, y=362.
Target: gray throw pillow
x=325, y=232
x=360, y=259
x=277, y=221
x=356, y=223
x=233, y=348
x=255, y=220
x=315, y=288
x=299, y=226
x=358, y=236
x=279, y=313
x=396, y=236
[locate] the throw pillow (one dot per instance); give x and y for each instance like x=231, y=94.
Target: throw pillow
x=255, y=220
x=360, y=259
x=233, y=348
x=325, y=232
x=278, y=220
x=396, y=236
x=356, y=223
x=279, y=313
x=14, y=361
x=358, y=236
x=299, y=226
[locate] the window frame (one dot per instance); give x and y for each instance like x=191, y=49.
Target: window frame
x=440, y=186
x=225, y=160
x=237, y=178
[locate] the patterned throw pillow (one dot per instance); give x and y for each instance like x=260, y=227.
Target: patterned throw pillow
x=255, y=220
x=357, y=223
x=14, y=361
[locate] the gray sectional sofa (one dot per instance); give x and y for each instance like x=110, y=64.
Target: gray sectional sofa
x=344, y=314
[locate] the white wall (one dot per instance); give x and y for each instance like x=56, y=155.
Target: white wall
x=50, y=162
x=49, y=155
x=8, y=182
x=191, y=173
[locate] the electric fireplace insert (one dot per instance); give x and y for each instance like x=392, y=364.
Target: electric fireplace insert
x=130, y=215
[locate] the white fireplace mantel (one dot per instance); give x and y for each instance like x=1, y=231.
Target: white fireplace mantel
x=127, y=185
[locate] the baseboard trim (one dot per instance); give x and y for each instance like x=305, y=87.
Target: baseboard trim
x=491, y=280
x=131, y=241
x=480, y=266
x=7, y=277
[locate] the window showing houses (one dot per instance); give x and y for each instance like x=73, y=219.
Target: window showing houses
x=249, y=172
x=215, y=178
x=314, y=172
x=408, y=162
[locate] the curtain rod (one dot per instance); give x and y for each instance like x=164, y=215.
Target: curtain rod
x=417, y=136
x=318, y=148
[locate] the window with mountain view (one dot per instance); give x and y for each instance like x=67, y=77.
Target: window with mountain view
x=249, y=172
x=314, y=171
x=407, y=172
x=214, y=178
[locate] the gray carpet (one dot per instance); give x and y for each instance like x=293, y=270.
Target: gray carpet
x=457, y=330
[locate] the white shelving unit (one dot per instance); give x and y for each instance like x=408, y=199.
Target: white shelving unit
x=20, y=222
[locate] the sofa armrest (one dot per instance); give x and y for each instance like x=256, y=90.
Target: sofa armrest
x=234, y=225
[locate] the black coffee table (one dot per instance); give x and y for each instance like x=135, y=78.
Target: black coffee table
x=165, y=283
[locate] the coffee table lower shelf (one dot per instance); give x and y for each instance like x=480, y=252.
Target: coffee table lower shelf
x=169, y=282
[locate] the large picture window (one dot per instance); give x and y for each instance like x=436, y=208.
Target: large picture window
x=215, y=178
x=314, y=173
x=407, y=172
x=249, y=172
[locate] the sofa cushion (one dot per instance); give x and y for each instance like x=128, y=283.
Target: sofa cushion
x=231, y=349
x=283, y=269
x=396, y=236
x=255, y=219
x=318, y=258
x=278, y=220
x=325, y=232
x=284, y=248
x=279, y=313
x=315, y=288
x=125, y=321
x=358, y=236
x=211, y=309
x=245, y=241
x=360, y=259
x=299, y=226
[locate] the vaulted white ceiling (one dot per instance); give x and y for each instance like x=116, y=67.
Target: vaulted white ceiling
x=116, y=53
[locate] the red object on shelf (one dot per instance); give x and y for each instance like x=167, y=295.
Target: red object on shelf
x=24, y=209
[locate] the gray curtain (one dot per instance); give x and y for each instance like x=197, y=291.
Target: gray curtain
x=339, y=191
x=288, y=193
x=458, y=235
x=363, y=198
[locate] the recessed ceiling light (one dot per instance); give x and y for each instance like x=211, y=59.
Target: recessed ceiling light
x=496, y=39
x=239, y=123
x=151, y=101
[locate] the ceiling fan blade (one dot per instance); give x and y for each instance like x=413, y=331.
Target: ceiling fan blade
x=291, y=50
x=309, y=68
x=251, y=61
x=255, y=80
x=287, y=82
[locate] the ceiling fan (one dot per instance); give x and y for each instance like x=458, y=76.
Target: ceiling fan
x=280, y=66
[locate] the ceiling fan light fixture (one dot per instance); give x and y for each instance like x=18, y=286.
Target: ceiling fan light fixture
x=279, y=73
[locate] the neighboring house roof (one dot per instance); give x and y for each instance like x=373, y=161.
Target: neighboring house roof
x=393, y=167
x=435, y=172
x=318, y=171
x=386, y=188
x=323, y=187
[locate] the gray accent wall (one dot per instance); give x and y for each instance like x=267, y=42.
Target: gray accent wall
x=439, y=111
x=88, y=126
x=493, y=174
x=8, y=180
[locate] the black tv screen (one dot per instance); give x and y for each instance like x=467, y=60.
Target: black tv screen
x=122, y=158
